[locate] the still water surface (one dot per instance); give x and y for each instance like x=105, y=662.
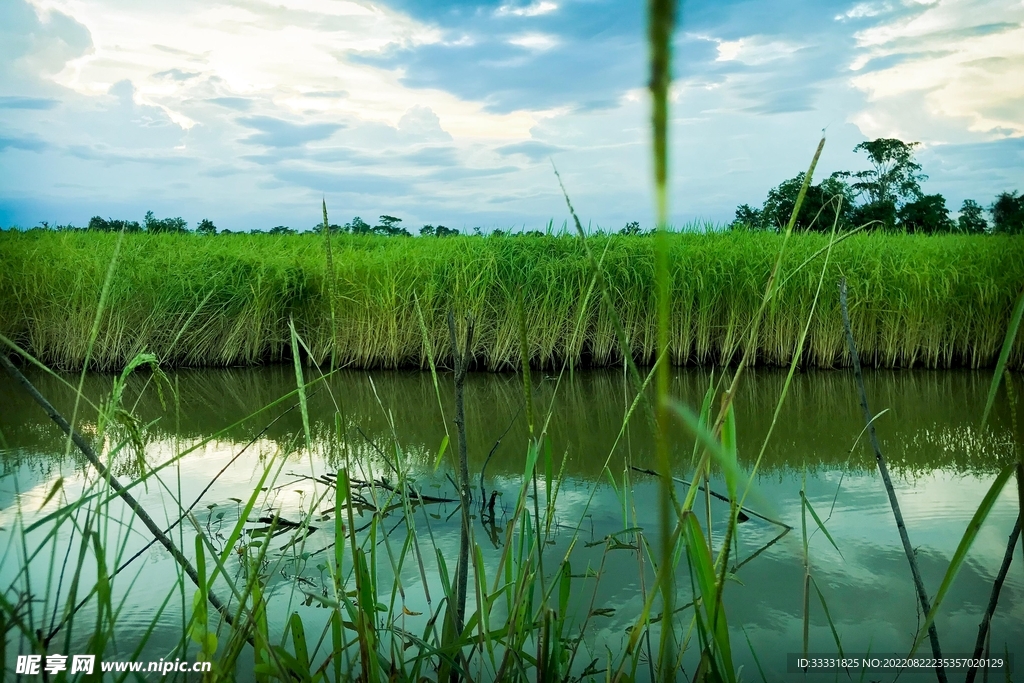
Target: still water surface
x=942, y=466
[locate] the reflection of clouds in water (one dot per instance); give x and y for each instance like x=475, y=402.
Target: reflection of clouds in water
x=927, y=426
x=934, y=450
x=30, y=499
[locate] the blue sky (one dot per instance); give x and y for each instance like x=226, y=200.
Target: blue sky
x=247, y=112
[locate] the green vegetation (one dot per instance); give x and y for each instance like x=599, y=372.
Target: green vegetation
x=1008, y=214
x=932, y=301
x=887, y=196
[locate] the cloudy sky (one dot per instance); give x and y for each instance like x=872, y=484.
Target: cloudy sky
x=247, y=112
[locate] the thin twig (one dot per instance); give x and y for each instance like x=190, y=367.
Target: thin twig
x=461, y=359
x=210, y=484
x=120, y=490
x=483, y=492
x=377, y=448
x=922, y=595
x=719, y=496
x=997, y=586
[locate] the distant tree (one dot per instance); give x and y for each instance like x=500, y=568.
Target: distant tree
x=778, y=207
x=896, y=176
x=334, y=228
x=875, y=215
x=497, y=232
x=358, y=226
x=225, y=231
x=439, y=231
x=747, y=218
x=1008, y=214
x=156, y=225
x=972, y=219
x=478, y=231
x=113, y=225
x=893, y=181
x=631, y=228
x=281, y=230
x=823, y=205
x=388, y=225
x=206, y=227
x=926, y=214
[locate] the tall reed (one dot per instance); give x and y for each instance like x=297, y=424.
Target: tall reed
x=915, y=301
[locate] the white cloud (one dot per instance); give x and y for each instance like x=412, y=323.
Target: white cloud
x=864, y=10
x=534, y=41
x=951, y=71
x=280, y=53
x=533, y=10
x=754, y=50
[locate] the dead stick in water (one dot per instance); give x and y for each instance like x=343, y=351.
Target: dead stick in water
x=483, y=492
x=883, y=469
x=462, y=572
x=997, y=586
x=120, y=490
x=717, y=495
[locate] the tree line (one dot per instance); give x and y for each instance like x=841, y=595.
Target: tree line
x=387, y=225
x=888, y=196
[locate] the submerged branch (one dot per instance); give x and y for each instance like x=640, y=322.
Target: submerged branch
x=719, y=496
x=483, y=468
x=883, y=470
x=997, y=586
x=461, y=359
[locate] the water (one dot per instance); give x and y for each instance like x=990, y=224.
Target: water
x=942, y=466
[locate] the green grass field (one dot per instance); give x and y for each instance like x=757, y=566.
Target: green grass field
x=933, y=301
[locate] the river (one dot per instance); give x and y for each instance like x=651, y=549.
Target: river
x=942, y=466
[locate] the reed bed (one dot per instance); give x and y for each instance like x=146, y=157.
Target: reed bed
x=921, y=301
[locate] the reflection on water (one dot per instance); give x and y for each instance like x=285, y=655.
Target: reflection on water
x=943, y=466
x=931, y=419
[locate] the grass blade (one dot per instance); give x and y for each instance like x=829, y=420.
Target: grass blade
x=1004, y=355
x=970, y=533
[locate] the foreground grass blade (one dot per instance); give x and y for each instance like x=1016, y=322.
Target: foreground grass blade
x=300, y=383
x=1004, y=356
x=970, y=533
x=883, y=471
x=817, y=520
x=704, y=571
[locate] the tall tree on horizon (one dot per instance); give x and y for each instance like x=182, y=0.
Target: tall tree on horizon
x=1008, y=214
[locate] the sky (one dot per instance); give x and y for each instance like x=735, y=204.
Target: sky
x=248, y=112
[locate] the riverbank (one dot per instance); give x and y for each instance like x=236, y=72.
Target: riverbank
x=922, y=301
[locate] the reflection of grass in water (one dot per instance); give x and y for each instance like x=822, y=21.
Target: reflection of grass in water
x=926, y=301
x=926, y=427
